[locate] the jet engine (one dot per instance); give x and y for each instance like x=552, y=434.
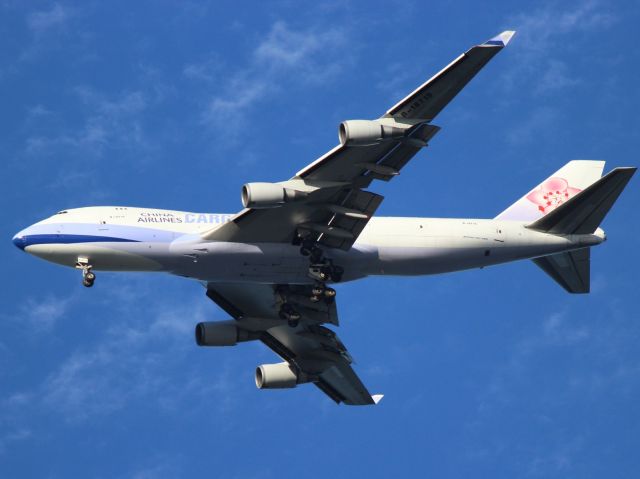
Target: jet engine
x=367, y=132
x=268, y=195
x=276, y=376
x=220, y=333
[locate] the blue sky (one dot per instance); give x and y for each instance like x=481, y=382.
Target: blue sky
x=487, y=373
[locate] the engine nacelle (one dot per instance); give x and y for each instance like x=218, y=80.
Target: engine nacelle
x=268, y=195
x=276, y=376
x=367, y=132
x=220, y=333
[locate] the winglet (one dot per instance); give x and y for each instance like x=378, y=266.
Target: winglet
x=377, y=398
x=500, y=40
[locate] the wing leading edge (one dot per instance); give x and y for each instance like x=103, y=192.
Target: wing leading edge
x=426, y=101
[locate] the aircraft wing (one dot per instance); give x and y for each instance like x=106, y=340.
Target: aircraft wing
x=335, y=206
x=315, y=351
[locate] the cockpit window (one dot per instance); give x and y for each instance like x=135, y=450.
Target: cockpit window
x=62, y=212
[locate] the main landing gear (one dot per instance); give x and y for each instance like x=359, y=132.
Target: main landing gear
x=321, y=291
x=88, y=276
x=321, y=269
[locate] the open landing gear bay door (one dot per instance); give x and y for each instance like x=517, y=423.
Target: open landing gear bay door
x=313, y=350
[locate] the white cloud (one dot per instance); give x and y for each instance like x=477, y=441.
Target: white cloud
x=42, y=21
x=540, y=31
x=284, y=58
x=15, y=435
x=41, y=314
x=111, y=123
x=208, y=70
x=533, y=127
x=285, y=48
x=142, y=356
x=555, y=77
x=590, y=362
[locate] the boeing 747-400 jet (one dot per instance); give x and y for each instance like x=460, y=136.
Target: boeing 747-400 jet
x=273, y=265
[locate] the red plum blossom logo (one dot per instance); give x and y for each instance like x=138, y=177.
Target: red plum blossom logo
x=551, y=194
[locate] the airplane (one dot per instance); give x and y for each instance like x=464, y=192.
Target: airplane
x=273, y=266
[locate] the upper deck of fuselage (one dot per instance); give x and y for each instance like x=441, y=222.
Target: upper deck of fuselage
x=117, y=224
x=184, y=222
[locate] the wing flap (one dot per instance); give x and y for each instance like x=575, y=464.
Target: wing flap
x=363, y=202
x=329, y=366
x=314, y=350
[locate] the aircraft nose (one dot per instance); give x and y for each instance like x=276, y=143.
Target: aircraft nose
x=20, y=241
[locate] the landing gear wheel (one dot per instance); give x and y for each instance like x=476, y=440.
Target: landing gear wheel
x=314, y=298
x=293, y=323
x=88, y=282
x=317, y=290
x=336, y=273
x=325, y=273
x=291, y=315
x=307, y=247
x=316, y=255
x=91, y=277
x=330, y=293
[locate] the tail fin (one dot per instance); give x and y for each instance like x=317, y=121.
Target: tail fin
x=583, y=213
x=565, y=183
x=571, y=270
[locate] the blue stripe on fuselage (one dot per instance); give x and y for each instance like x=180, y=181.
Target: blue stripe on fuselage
x=29, y=240
x=121, y=233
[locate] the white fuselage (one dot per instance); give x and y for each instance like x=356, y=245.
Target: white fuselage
x=140, y=239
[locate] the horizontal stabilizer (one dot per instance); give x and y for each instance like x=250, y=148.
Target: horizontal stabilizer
x=570, y=270
x=583, y=213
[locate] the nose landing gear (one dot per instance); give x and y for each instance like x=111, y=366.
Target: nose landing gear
x=88, y=276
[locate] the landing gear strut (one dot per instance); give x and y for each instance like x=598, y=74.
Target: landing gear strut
x=321, y=270
x=326, y=271
x=88, y=276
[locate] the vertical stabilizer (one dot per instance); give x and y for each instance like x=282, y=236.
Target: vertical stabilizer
x=564, y=184
x=583, y=213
